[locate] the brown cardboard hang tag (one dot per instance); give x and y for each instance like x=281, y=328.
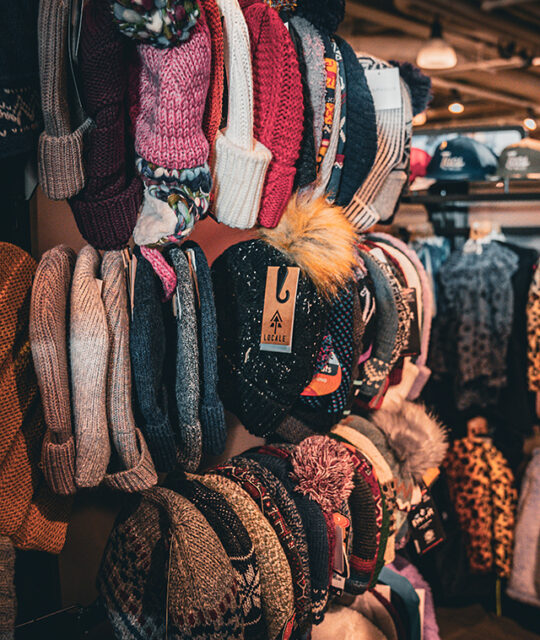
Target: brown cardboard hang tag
x=279, y=308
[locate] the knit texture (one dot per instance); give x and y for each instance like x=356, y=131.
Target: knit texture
x=106, y=209
x=189, y=433
x=151, y=373
x=239, y=161
x=278, y=121
x=261, y=386
x=275, y=574
x=325, y=15
x=165, y=571
x=49, y=313
x=30, y=514
x=360, y=126
x=89, y=355
x=132, y=466
x=236, y=542
x=8, y=597
x=214, y=99
x=250, y=482
x=60, y=165
x=212, y=416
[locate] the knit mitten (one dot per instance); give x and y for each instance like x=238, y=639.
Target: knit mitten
x=48, y=339
x=89, y=353
x=136, y=467
x=106, y=210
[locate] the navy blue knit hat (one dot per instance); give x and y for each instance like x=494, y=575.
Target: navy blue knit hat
x=360, y=127
x=236, y=542
x=147, y=344
x=211, y=414
x=276, y=459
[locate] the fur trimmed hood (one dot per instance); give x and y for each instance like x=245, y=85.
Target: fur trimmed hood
x=416, y=437
x=319, y=239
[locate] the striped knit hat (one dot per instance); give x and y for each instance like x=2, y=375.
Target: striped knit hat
x=165, y=568
x=276, y=582
x=371, y=202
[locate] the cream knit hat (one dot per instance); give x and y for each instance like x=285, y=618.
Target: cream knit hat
x=239, y=162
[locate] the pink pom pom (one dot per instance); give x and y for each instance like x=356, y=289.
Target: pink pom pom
x=323, y=471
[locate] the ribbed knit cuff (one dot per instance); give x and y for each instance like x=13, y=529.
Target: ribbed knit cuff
x=277, y=191
x=162, y=445
x=60, y=165
x=141, y=476
x=108, y=224
x=238, y=178
x=58, y=465
x=214, y=427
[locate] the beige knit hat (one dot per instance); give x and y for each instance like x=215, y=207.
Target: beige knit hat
x=276, y=581
x=89, y=353
x=48, y=340
x=133, y=469
x=60, y=164
x=239, y=162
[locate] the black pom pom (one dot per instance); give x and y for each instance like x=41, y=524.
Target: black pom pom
x=419, y=85
x=325, y=15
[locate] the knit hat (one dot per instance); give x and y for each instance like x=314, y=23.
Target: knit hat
x=276, y=460
x=89, y=356
x=49, y=313
x=240, y=473
x=8, y=596
x=167, y=125
x=313, y=48
x=375, y=370
x=236, y=542
x=30, y=514
x=260, y=386
x=187, y=364
x=391, y=134
x=132, y=468
x=239, y=162
x=211, y=414
x=278, y=112
x=60, y=166
x=150, y=366
x=275, y=573
x=161, y=24
x=360, y=126
x=164, y=567
x=306, y=165
x=214, y=99
x=106, y=209
x=326, y=15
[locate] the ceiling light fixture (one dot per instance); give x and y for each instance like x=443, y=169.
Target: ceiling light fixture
x=456, y=106
x=419, y=119
x=436, y=53
x=530, y=123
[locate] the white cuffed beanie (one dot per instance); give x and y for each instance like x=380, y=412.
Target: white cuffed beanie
x=239, y=162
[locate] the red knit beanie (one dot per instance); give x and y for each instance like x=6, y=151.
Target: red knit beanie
x=279, y=106
x=214, y=99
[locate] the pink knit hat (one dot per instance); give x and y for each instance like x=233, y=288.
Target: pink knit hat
x=279, y=105
x=167, y=107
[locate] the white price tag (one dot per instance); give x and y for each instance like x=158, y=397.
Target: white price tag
x=385, y=88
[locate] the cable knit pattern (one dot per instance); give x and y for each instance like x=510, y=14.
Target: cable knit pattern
x=48, y=339
x=169, y=102
x=89, y=352
x=279, y=112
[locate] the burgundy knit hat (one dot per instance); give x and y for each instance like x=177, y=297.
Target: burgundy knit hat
x=279, y=105
x=214, y=101
x=106, y=209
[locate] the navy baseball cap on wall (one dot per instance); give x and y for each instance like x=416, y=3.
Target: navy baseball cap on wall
x=462, y=158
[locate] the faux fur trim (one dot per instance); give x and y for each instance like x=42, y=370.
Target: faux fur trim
x=346, y=624
x=318, y=238
x=417, y=438
x=323, y=470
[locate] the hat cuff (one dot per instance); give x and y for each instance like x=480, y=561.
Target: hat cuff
x=238, y=178
x=162, y=445
x=58, y=465
x=423, y=376
x=157, y=221
x=214, y=427
x=60, y=167
x=278, y=190
x=294, y=430
x=141, y=476
x=108, y=224
x=190, y=446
